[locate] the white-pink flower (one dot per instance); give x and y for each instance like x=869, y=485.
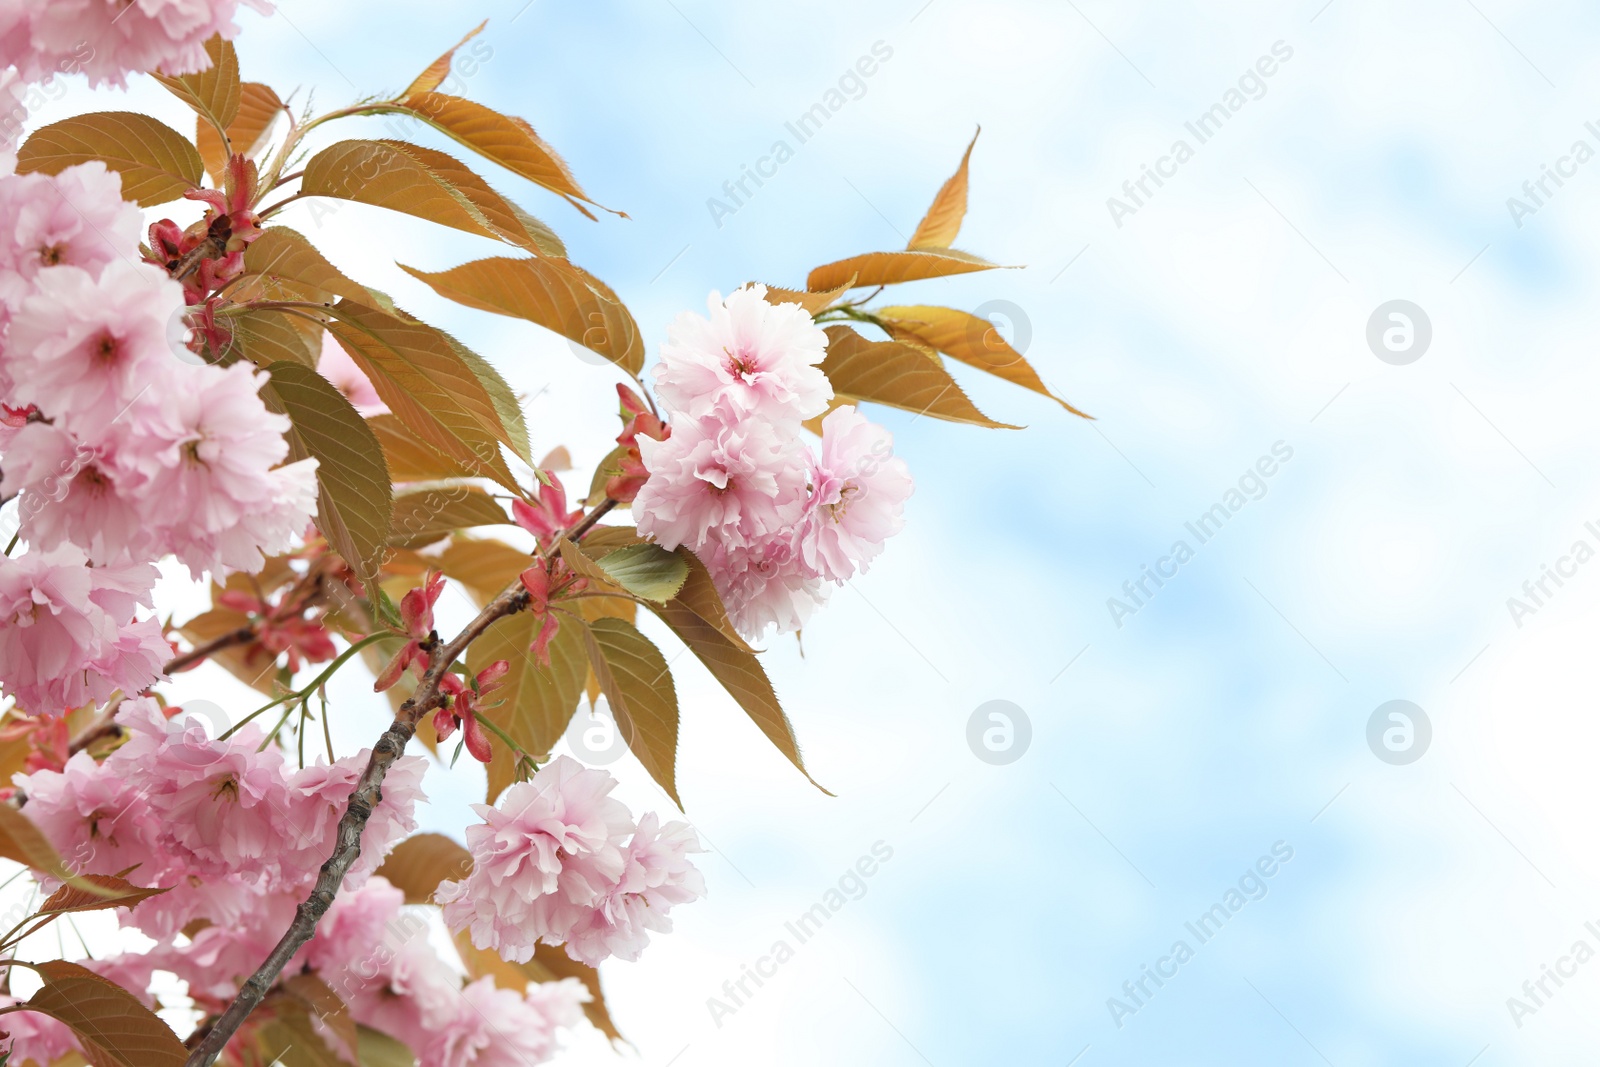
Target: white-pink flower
x=858, y=494
x=728, y=482
x=83, y=348
x=495, y=1027
x=68, y=636
x=750, y=357
x=765, y=584
x=539, y=828
x=110, y=39
x=319, y=796
x=218, y=498
x=656, y=876
x=76, y=218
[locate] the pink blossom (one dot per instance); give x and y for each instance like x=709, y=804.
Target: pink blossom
x=521, y=849
x=68, y=636
x=858, y=494
x=336, y=365
x=765, y=584
x=78, y=493
x=732, y=483
x=219, y=500
x=109, y=39
x=35, y=1037
x=495, y=1027
x=84, y=348
x=76, y=218
x=318, y=798
x=751, y=358
x=99, y=822
x=657, y=875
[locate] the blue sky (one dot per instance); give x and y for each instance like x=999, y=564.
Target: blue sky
x=1227, y=314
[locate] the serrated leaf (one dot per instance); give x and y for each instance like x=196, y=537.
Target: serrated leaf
x=409, y=458
x=740, y=674
x=646, y=570
x=890, y=268
x=266, y=336
x=426, y=184
x=555, y=294
x=536, y=702
x=420, y=862
x=699, y=594
x=288, y=1037
x=637, y=683
x=428, y=515
x=506, y=404
x=940, y=225
x=282, y=265
x=214, y=93
x=812, y=302
x=899, y=375
x=112, y=1026
x=969, y=339
x=426, y=384
x=506, y=140
x=102, y=891
x=156, y=163
x=259, y=107
x=439, y=69
x=486, y=567
x=354, y=498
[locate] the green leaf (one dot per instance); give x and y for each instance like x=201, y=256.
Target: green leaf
x=214, y=93
x=426, y=184
x=112, y=1026
x=637, y=683
x=900, y=375
x=506, y=140
x=156, y=163
x=536, y=702
x=647, y=571
x=287, y=1036
x=320, y=1000
x=420, y=862
x=555, y=294
x=740, y=674
x=428, y=515
x=428, y=386
x=410, y=459
x=506, y=404
x=354, y=494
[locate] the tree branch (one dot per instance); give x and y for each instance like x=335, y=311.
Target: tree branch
x=242, y=636
x=367, y=794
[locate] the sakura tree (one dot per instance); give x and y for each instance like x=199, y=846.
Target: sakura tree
x=219, y=394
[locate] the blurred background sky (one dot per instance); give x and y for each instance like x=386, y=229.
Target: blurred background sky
x=1230, y=713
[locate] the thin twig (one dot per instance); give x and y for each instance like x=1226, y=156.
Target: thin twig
x=242, y=636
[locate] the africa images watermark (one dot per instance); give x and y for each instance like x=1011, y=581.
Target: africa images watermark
x=1253, y=481
x=851, y=85
x=1204, y=127
x=1536, y=192
x=851, y=885
x=1251, y=886
x=1536, y=592
x=1536, y=992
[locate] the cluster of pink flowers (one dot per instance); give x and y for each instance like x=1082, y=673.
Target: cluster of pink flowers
x=223, y=822
x=108, y=39
x=559, y=860
x=738, y=484
x=374, y=954
x=119, y=451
